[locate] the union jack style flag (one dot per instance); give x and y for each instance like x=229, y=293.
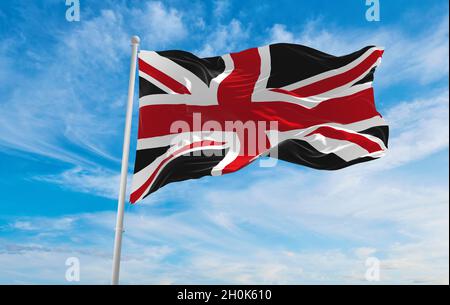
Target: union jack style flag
x=312, y=109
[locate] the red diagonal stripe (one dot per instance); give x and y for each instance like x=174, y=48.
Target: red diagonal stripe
x=237, y=164
x=163, y=78
x=358, y=139
x=138, y=193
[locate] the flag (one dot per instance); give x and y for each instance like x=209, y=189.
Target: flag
x=215, y=115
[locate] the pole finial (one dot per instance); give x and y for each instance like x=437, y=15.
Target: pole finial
x=135, y=40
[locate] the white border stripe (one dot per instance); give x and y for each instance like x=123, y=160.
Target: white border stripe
x=155, y=82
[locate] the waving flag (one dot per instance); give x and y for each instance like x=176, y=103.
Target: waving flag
x=211, y=116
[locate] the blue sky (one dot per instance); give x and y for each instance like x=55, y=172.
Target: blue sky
x=62, y=102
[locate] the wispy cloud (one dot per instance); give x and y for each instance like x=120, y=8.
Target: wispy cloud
x=98, y=181
x=315, y=236
x=221, y=7
x=226, y=38
x=419, y=129
x=158, y=24
x=57, y=107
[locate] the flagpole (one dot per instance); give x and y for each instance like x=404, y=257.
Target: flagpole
x=124, y=170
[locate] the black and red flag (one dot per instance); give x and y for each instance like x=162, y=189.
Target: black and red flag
x=212, y=116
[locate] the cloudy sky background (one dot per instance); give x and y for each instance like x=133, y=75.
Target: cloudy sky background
x=62, y=107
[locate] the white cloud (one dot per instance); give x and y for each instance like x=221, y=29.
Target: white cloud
x=100, y=41
x=159, y=24
x=365, y=252
x=98, y=181
x=41, y=225
x=221, y=7
x=279, y=33
x=419, y=128
x=226, y=38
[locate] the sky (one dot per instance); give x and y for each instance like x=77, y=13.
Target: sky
x=62, y=108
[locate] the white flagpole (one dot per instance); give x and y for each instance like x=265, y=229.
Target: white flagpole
x=124, y=170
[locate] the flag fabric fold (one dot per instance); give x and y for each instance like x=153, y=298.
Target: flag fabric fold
x=212, y=116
